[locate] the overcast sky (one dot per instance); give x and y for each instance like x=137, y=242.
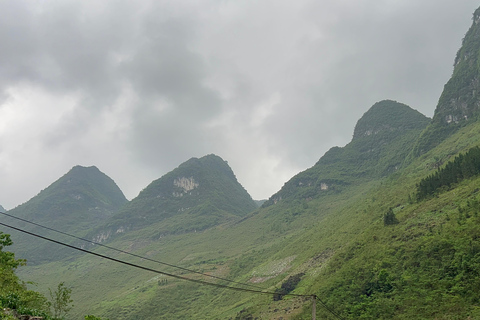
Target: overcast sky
x=138, y=87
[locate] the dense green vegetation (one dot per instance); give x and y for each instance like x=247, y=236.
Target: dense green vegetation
x=463, y=167
x=425, y=267
x=13, y=292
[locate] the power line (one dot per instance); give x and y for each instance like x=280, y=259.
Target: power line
x=329, y=309
x=171, y=274
x=150, y=269
x=131, y=254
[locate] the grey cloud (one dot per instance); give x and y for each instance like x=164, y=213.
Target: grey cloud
x=274, y=84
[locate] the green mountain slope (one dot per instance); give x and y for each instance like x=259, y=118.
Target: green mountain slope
x=199, y=194
x=266, y=247
x=382, y=139
x=75, y=203
x=459, y=103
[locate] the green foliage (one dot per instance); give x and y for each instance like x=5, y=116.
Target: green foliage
x=8, y=280
x=61, y=301
x=389, y=218
x=464, y=166
x=13, y=293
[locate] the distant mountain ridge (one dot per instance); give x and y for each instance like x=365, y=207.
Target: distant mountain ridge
x=382, y=139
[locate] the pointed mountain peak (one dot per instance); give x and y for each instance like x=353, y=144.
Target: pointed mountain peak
x=387, y=116
x=81, y=189
x=382, y=139
x=76, y=202
x=198, y=194
x=206, y=175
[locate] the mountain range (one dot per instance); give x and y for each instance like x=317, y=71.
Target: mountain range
x=350, y=230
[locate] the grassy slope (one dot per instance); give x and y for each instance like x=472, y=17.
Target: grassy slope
x=430, y=260
x=347, y=251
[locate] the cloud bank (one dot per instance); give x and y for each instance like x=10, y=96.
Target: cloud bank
x=136, y=88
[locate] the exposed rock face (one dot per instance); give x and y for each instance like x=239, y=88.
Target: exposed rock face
x=459, y=103
x=460, y=99
x=186, y=184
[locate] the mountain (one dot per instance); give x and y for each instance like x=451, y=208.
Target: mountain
x=382, y=139
x=200, y=193
x=459, y=103
x=75, y=203
x=350, y=230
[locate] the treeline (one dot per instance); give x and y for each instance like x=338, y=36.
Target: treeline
x=462, y=167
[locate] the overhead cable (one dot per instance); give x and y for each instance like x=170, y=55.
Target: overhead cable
x=150, y=269
x=131, y=254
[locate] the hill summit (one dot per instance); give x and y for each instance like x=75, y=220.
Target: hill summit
x=382, y=139
x=82, y=196
x=388, y=116
x=75, y=203
x=200, y=193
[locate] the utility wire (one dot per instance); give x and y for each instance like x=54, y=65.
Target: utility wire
x=131, y=254
x=150, y=269
x=171, y=274
x=329, y=309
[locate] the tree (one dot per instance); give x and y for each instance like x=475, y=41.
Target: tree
x=8, y=280
x=13, y=291
x=389, y=218
x=61, y=301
